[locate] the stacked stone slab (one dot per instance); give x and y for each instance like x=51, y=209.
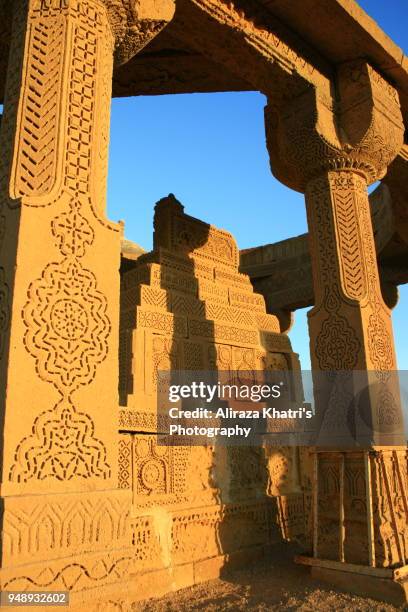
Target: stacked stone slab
x=185, y=306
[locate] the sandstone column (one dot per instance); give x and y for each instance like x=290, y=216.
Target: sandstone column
x=60, y=297
x=332, y=150
x=59, y=293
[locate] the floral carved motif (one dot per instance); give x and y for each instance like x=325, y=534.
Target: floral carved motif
x=67, y=325
x=379, y=343
x=62, y=446
x=337, y=345
x=73, y=232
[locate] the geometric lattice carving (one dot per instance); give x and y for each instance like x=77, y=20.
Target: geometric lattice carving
x=125, y=463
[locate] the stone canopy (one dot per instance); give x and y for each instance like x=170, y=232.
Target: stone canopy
x=178, y=61
x=90, y=502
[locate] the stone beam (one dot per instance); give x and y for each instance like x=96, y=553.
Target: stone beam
x=254, y=45
x=396, y=180
x=346, y=32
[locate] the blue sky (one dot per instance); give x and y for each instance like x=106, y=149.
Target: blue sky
x=209, y=150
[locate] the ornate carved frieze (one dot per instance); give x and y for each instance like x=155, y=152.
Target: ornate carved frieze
x=253, y=45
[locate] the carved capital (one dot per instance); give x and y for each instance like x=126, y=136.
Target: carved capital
x=136, y=22
x=362, y=130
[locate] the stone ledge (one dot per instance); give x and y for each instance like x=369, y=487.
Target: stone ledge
x=379, y=583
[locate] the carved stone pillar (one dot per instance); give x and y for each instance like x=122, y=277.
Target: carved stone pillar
x=332, y=150
x=350, y=326
x=59, y=344
x=59, y=295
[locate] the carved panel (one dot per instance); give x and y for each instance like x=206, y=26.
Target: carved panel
x=62, y=445
x=66, y=315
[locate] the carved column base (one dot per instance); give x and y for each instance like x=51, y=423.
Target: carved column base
x=360, y=512
x=360, y=506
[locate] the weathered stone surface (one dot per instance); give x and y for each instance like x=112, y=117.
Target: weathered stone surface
x=333, y=154
x=282, y=271
x=91, y=502
x=186, y=306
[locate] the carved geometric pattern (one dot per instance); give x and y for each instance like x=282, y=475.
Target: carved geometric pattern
x=351, y=259
x=380, y=347
x=73, y=232
x=186, y=304
x=65, y=315
x=102, y=129
x=38, y=526
x=379, y=331
x=163, y=322
x=226, y=333
x=195, y=237
x=193, y=356
x=37, y=157
x=44, y=5
x=150, y=296
x=131, y=420
x=250, y=522
x=194, y=534
x=337, y=345
x=125, y=361
x=388, y=413
x=81, y=115
x=226, y=313
x=62, y=446
x=125, y=463
x=67, y=326
x=153, y=467
x=11, y=103
x=165, y=356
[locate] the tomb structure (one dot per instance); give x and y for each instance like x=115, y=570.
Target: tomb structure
x=335, y=123
x=185, y=306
